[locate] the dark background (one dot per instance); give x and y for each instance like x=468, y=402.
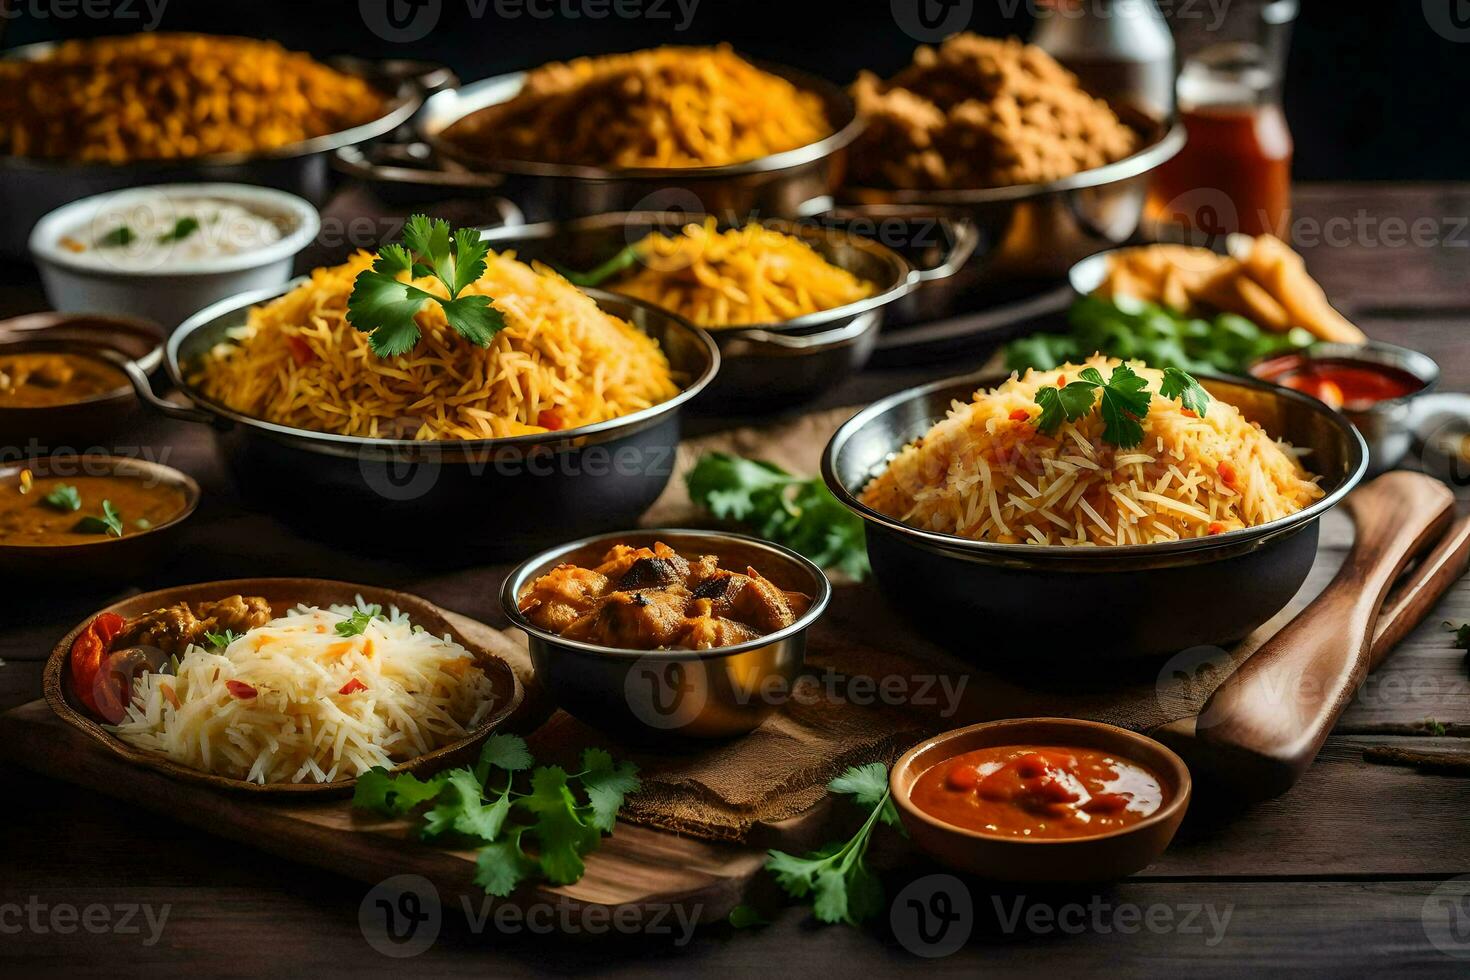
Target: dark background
x=1373, y=90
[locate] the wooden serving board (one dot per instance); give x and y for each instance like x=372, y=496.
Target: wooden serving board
x=637, y=866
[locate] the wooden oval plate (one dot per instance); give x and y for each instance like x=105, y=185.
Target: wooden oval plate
x=282, y=594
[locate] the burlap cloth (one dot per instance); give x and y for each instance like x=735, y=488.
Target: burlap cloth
x=873, y=686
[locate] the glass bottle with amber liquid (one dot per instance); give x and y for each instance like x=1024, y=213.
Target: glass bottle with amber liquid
x=1234, y=173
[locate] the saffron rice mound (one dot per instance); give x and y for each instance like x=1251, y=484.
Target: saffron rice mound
x=738, y=277
x=293, y=701
x=987, y=473
x=160, y=96
x=560, y=362
x=665, y=107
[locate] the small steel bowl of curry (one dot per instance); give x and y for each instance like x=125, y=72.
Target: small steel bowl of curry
x=1377, y=386
x=90, y=518
x=1041, y=799
x=63, y=385
x=667, y=633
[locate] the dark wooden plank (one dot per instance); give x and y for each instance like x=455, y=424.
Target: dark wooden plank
x=1203, y=929
x=1321, y=827
x=1373, y=244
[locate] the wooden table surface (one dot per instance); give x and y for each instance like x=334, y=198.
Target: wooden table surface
x=1349, y=872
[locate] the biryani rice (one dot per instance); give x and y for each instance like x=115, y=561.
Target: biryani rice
x=664, y=107
x=560, y=362
x=738, y=277
x=156, y=96
x=270, y=707
x=986, y=472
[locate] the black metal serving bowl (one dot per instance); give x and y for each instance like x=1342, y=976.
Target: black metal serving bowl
x=781, y=184
x=30, y=188
x=452, y=501
x=762, y=366
x=1025, y=606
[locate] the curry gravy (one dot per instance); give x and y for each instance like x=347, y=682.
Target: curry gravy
x=27, y=519
x=44, y=379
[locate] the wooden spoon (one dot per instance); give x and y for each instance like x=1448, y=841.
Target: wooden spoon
x=1420, y=590
x=1264, y=725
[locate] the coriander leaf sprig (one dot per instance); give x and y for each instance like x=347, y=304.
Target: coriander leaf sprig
x=64, y=498
x=110, y=522
x=1180, y=386
x=357, y=621
x=383, y=306
x=1125, y=401
x=791, y=510
x=483, y=803
x=837, y=876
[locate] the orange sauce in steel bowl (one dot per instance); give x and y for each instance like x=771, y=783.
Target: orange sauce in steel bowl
x=1341, y=383
x=1044, y=792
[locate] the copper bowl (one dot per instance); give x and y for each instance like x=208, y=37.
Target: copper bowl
x=107, y=561
x=82, y=424
x=1104, y=857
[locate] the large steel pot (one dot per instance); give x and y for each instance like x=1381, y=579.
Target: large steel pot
x=1021, y=604
x=456, y=501
x=770, y=365
x=29, y=188
x=1027, y=232
x=784, y=184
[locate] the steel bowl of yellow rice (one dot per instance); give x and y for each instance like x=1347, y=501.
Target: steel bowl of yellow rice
x=795, y=307
x=1021, y=539
x=564, y=423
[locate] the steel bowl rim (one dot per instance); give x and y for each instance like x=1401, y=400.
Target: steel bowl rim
x=399, y=108
x=1170, y=140
x=843, y=133
x=322, y=440
x=953, y=545
x=904, y=277
x=515, y=582
x=1407, y=359
x=108, y=356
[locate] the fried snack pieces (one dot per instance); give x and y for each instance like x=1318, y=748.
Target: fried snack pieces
x=1263, y=280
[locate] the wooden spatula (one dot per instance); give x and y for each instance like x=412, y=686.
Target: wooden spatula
x=1264, y=725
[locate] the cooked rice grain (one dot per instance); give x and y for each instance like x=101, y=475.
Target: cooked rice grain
x=560, y=362
x=980, y=473
x=737, y=277
x=270, y=707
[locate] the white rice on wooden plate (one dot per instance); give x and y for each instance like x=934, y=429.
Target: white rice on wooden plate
x=294, y=701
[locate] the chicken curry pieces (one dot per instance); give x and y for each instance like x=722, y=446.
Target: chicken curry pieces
x=655, y=599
